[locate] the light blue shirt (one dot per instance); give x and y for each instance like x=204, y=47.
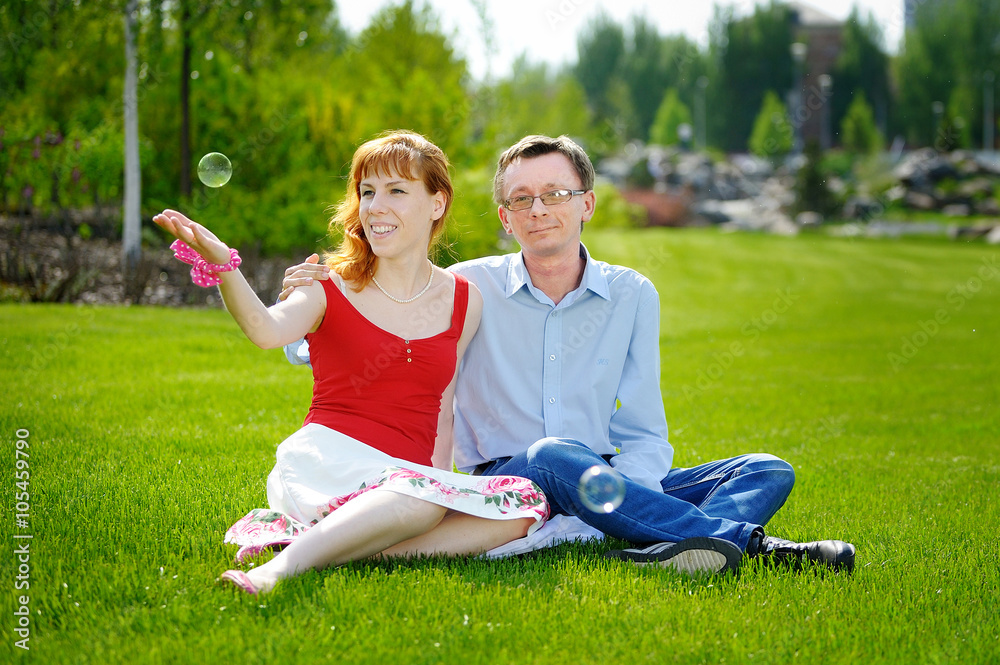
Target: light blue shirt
x=536, y=369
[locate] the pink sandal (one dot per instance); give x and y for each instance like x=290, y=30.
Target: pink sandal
x=248, y=551
x=240, y=580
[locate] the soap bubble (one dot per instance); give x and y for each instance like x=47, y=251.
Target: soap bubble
x=215, y=169
x=601, y=488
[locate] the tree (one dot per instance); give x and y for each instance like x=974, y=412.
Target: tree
x=23, y=27
x=131, y=242
x=811, y=190
x=187, y=19
x=402, y=71
x=772, y=135
x=671, y=115
x=267, y=33
x=645, y=72
x=862, y=65
x=533, y=100
x=257, y=33
x=653, y=65
x=752, y=57
x=857, y=130
x=625, y=73
x=951, y=45
x=961, y=111
x=600, y=49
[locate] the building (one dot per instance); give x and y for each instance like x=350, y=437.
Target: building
x=822, y=38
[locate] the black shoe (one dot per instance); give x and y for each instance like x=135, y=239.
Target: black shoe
x=691, y=555
x=836, y=554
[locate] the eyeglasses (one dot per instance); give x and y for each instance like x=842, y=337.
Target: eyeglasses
x=555, y=197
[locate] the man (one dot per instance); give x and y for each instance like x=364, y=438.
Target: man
x=567, y=357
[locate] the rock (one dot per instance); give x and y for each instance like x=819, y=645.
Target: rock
x=919, y=200
x=862, y=207
x=956, y=210
x=988, y=207
x=751, y=166
x=778, y=192
x=885, y=229
x=989, y=163
x=781, y=225
x=921, y=169
x=969, y=232
x=757, y=215
x=895, y=194
x=976, y=187
x=938, y=170
x=964, y=162
x=993, y=237
x=616, y=170
x=711, y=210
x=836, y=185
x=809, y=218
x=852, y=230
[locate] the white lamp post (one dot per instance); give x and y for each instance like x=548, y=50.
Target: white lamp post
x=989, y=123
x=702, y=85
x=798, y=58
x=826, y=136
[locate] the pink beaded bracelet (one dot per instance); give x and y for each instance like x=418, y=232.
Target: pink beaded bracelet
x=204, y=273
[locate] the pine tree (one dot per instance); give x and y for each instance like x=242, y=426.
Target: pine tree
x=858, y=131
x=672, y=114
x=772, y=134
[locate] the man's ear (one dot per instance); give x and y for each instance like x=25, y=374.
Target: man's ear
x=502, y=212
x=589, y=205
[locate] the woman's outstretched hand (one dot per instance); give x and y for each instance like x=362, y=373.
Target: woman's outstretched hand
x=195, y=235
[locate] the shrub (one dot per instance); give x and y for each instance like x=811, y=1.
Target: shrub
x=811, y=190
x=858, y=131
x=669, y=117
x=772, y=135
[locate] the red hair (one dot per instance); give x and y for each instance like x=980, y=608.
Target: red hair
x=408, y=155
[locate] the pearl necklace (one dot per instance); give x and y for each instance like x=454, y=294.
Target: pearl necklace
x=403, y=302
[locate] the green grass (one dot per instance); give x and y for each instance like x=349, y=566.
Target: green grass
x=151, y=430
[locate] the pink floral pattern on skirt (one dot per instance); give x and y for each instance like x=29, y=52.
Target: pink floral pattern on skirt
x=264, y=528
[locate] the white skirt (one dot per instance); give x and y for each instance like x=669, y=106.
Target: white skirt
x=319, y=469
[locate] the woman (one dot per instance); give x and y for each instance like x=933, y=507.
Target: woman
x=386, y=337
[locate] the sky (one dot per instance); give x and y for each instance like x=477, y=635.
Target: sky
x=546, y=29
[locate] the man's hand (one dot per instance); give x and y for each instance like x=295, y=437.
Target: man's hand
x=303, y=274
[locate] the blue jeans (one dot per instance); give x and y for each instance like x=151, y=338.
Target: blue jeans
x=725, y=499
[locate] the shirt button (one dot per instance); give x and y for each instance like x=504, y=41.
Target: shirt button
x=409, y=360
x=552, y=357
x=409, y=350
x=552, y=400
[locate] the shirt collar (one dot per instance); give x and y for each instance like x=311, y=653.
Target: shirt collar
x=593, y=278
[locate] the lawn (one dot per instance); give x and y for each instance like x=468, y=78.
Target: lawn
x=870, y=365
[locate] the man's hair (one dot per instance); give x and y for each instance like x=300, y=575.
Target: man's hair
x=537, y=145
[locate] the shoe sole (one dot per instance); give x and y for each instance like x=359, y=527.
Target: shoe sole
x=696, y=561
x=691, y=556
